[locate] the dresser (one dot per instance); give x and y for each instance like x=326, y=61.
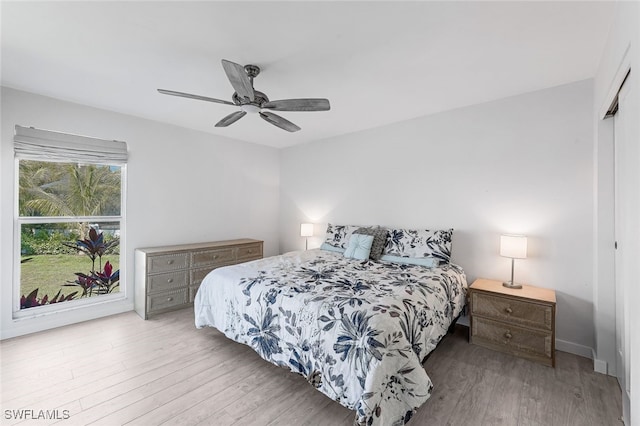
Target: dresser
x=521, y=322
x=168, y=277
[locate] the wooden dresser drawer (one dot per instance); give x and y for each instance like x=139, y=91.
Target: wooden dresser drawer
x=212, y=257
x=192, y=292
x=512, y=310
x=168, y=277
x=536, y=345
x=197, y=275
x=167, y=300
x=167, y=262
x=250, y=252
x=167, y=281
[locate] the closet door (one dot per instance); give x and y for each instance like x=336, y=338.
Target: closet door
x=627, y=210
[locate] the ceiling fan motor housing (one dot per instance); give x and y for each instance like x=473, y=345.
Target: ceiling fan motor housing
x=259, y=99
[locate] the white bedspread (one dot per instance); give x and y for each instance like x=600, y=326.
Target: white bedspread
x=358, y=331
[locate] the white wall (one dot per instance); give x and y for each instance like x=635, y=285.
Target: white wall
x=519, y=165
x=183, y=186
x=622, y=51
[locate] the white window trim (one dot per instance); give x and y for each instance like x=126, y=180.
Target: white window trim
x=38, y=139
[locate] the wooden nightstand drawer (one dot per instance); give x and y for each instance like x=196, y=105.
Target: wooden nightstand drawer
x=212, y=257
x=521, y=321
x=250, y=252
x=167, y=300
x=535, y=345
x=167, y=281
x=166, y=263
x=512, y=310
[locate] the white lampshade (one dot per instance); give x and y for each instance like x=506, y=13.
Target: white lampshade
x=513, y=246
x=306, y=229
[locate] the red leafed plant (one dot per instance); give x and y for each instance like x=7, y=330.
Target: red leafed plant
x=101, y=281
x=31, y=300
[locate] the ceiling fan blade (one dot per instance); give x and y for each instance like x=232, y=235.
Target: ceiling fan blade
x=231, y=118
x=298, y=105
x=190, y=96
x=239, y=79
x=276, y=120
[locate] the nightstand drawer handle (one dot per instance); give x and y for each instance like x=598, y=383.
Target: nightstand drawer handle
x=508, y=335
x=508, y=310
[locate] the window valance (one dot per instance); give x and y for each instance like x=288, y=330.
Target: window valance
x=45, y=145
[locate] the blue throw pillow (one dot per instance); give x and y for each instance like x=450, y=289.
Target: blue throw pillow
x=329, y=247
x=379, y=240
x=429, y=262
x=359, y=247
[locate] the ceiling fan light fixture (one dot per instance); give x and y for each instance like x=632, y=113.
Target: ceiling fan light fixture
x=250, y=108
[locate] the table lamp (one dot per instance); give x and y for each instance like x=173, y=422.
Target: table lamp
x=306, y=230
x=514, y=247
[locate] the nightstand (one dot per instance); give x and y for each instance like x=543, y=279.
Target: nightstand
x=521, y=322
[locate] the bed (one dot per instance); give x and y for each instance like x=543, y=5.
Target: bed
x=357, y=330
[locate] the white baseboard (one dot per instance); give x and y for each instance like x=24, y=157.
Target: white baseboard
x=574, y=348
x=599, y=366
x=626, y=407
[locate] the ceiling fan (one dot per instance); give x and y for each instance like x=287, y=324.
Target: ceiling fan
x=251, y=101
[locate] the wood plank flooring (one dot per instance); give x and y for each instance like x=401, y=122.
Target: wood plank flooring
x=123, y=370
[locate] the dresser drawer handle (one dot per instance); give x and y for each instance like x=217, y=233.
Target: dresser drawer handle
x=169, y=299
x=170, y=262
x=508, y=310
x=170, y=280
x=508, y=335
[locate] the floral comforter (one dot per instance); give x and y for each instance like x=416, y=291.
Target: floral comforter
x=357, y=330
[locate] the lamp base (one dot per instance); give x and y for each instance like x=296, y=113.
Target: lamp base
x=511, y=284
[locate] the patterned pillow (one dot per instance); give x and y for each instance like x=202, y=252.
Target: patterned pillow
x=338, y=235
x=379, y=240
x=419, y=243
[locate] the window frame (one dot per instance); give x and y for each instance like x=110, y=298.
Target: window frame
x=18, y=221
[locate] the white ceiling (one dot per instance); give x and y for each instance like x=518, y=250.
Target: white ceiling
x=377, y=62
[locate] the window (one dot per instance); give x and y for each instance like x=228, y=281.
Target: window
x=69, y=220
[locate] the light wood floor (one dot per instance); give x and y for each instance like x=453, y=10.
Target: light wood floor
x=123, y=370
